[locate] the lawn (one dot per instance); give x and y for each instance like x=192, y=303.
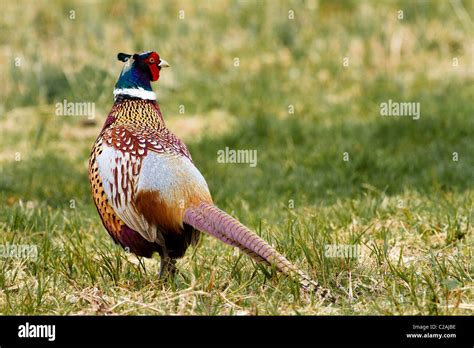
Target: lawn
x=300, y=82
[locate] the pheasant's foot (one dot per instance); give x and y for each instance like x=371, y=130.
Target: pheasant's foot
x=167, y=268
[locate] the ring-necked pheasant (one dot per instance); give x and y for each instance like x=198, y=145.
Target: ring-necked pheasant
x=149, y=195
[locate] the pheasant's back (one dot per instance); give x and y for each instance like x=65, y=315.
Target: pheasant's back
x=136, y=126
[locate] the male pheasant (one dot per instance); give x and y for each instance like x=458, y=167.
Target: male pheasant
x=149, y=195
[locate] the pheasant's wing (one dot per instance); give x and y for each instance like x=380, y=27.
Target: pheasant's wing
x=119, y=171
x=149, y=186
x=111, y=221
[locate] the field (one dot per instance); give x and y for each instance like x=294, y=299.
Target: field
x=302, y=83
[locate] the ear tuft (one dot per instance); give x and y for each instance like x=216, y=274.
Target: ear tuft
x=123, y=57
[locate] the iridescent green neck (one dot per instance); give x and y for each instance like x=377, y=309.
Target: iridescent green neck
x=135, y=83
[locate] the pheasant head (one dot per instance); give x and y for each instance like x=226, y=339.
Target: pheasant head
x=139, y=70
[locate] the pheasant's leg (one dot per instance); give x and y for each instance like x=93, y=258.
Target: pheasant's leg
x=167, y=267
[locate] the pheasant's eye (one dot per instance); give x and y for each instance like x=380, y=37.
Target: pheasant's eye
x=152, y=60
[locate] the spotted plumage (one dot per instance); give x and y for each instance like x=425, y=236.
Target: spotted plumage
x=147, y=190
x=133, y=141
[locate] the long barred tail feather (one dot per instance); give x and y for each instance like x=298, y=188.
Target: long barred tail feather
x=196, y=219
x=208, y=218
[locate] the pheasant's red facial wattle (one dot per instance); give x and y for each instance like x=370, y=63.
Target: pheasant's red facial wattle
x=153, y=60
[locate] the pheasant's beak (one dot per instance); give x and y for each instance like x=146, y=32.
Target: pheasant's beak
x=163, y=64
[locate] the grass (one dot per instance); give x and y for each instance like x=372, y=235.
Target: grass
x=401, y=197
